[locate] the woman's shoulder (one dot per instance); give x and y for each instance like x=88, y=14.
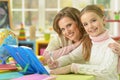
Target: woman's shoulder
x=61, y=39
x=111, y=39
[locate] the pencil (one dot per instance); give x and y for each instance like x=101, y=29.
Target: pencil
x=51, y=57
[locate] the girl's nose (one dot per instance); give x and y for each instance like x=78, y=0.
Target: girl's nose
x=90, y=25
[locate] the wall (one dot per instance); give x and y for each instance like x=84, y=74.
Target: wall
x=115, y=7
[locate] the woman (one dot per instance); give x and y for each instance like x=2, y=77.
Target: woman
x=70, y=37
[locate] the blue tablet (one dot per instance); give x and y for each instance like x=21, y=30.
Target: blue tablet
x=27, y=59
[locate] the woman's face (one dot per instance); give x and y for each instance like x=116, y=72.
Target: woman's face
x=69, y=29
x=93, y=24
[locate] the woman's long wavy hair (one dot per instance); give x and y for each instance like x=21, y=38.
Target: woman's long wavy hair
x=74, y=14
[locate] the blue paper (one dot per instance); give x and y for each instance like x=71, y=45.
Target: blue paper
x=10, y=75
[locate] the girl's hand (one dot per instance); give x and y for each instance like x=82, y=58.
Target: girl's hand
x=115, y=47
x=52, y=64
x=61, y=70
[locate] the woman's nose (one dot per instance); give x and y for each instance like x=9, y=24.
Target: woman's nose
x=67, y=31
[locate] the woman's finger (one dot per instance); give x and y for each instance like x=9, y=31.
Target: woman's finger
x=52, y=64
x=115, y=47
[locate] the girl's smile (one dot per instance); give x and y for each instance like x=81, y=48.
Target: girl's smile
x=93, y=24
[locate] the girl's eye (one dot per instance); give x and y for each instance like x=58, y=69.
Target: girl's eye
x=93, y=20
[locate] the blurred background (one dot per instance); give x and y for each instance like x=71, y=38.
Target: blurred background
x=40, y=13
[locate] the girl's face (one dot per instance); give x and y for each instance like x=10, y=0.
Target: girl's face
x=93, y=23
x=69, y=29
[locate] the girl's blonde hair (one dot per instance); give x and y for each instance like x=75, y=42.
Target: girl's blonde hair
x=93, y=8
x=87, y=43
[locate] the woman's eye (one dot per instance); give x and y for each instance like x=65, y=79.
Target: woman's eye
x=62, y=29
x=85, y=24
x=69, y=25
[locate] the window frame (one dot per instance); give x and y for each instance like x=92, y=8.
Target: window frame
x=42, y=11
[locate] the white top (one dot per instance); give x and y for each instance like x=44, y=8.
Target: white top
x=103, y=62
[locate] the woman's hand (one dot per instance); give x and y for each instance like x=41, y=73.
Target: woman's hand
x=115, y=47
x=52, y=64
x=61, y=70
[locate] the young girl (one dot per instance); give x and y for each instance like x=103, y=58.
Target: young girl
x=103, y=62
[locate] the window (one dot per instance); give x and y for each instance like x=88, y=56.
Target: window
x=41, y=13
x=26, y=12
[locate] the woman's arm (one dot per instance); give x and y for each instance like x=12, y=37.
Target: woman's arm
x=75, y=56
x=61, y=51
x=115, y=47
x=57, y=50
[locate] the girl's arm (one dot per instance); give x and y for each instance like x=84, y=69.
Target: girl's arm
x=74, y=56
x=108, y=65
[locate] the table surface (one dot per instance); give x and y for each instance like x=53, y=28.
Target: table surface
x=11, y=75
x=74, y=77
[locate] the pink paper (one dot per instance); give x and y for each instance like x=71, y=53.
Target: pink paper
x=36, y=77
